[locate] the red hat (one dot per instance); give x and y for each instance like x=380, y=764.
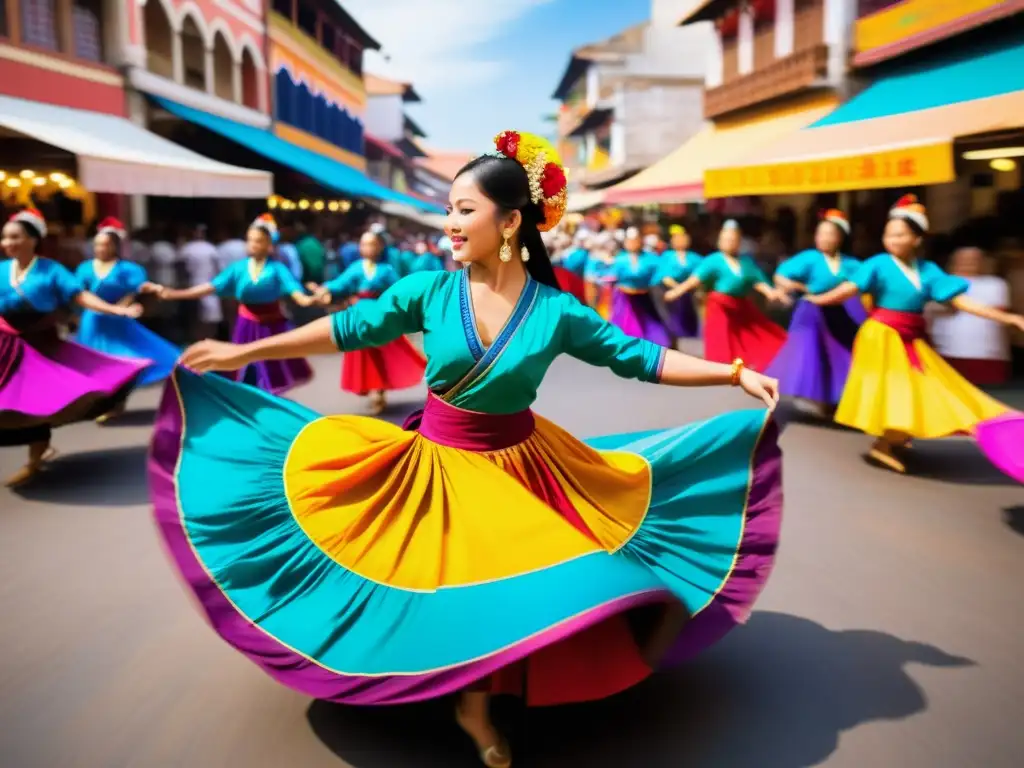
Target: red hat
x=111, y=226
x=909, y=207
x=837, y=217
x=33, y=218
x=266, y=223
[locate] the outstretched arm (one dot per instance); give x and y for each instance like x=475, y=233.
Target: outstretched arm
x=186, y=294
x=681, y=289
x=837, y=295
x=89, y=300
x=972, y=307
x=772, y=294
x=783, y=283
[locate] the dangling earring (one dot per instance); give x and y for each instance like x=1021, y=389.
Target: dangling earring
x=524, y=253
x=505, y=254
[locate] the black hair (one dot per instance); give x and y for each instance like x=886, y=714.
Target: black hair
x=916, y=228
x=30, y=231
x=115, y=239
x=506, y=184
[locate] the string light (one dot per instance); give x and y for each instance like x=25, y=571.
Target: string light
x=303, y=204
x=13, y=183
x=318, y=205
x=28, y=175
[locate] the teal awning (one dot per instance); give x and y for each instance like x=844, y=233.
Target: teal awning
x=321, y=169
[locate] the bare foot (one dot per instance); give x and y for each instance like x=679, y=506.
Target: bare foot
x=493, y=750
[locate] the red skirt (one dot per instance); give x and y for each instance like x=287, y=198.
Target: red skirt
x=396, y=365
x=570, y=282
x=736, y=328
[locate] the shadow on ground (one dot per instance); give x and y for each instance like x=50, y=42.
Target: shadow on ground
x=776, y=694
x=113, y=477
x=953, y=461
x=1014, y=517
x=143, y=417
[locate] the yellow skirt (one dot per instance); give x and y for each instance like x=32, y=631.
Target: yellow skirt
x=886, y=392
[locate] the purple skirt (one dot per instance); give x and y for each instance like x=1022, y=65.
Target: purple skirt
x=275, y=376
x=637, y=316
x=815, y=360
x=683, y=322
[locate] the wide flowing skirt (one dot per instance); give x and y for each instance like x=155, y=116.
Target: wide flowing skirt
x=683, y=320
x=48, y=382
x=359, y=562
x=570, y=282
x=396, y=365
x=899, y=384
x=603, y=304
x=815, y=360
x=127, y=337
x=637, y=316
x=735, y=328
x=277, y=376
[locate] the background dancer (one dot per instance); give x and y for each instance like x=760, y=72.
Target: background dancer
x=815, y=360
x=117, y=281
x=258, y=284
x=373, y=371
x=633, y=274
x=676, y=266
x=46, y=382
x=899, y=388
x=571, y=263
x=598, y=285
x=734, y=328
x=382, y=546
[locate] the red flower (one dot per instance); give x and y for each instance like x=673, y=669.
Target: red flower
x=508, y=143
x=553, y=180
x=906, y=200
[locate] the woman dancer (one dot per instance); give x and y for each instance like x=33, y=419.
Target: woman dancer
x=117, y=281
x=426, y=260
x=570, y=267
x=258, y=284
x=373, y=370
x=899, y=388
x=46, y=382
x=733, y=325
x=361, y=563
x=598, y=288
x=633, y=274
x=815, y=360
x=676, y=265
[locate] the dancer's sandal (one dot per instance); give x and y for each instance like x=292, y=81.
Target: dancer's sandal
x=887, y=460
x=493, y=756
x=31, y=470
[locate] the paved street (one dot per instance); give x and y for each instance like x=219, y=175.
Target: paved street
x=889, y=636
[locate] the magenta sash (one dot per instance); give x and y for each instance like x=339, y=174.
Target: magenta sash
x=454, y=427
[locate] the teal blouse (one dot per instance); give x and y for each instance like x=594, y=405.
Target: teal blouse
x=124, y=279
x=639, y=274
x=355, y=280
x=678, y=266
x=716, y=275
x=426, y=262
x=47, y=287
x=812, y=268
x=574, y=261
x=275, y=282
x=890, y=287
x=597, y=271
x=504, y=377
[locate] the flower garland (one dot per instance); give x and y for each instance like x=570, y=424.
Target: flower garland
x=543, y=170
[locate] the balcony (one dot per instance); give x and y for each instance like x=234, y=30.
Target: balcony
x=801, y=70
x=570, y=115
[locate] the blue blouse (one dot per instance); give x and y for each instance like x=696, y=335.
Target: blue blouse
x=891, y=287
x=124, y=279
x=812, y=268
x=426, y=262
x=716, y=274
x=637, y=273
x=678, y=266
x=48, y=286
x=356, y=279
x=273, y=283
x=596, y=270
x=574, y=261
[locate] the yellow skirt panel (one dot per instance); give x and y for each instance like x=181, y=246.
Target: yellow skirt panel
x=886, y=393
x=401, y=510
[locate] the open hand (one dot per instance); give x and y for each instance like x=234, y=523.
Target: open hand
x=132, y=310
x=781, y=297
x=762, y=387
x=210, y=355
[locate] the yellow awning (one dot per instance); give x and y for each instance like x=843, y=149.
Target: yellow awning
x=679, y=176
x=904, y=150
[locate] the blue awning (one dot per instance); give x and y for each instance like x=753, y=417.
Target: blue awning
x=321, y=169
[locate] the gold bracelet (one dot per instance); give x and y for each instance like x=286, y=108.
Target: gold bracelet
x=737, y=370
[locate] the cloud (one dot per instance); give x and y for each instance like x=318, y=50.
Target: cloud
x=441, y=45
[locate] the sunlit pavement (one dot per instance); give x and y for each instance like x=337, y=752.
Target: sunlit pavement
x=889, y=635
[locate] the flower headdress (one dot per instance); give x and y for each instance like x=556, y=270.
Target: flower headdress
x=837, y=217
x=33, y=218
x=909, y=207
x=543, y=169
x=111, y=226
x=267, y=224
x=676, y=229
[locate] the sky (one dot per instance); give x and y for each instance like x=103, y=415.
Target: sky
x=483, y=67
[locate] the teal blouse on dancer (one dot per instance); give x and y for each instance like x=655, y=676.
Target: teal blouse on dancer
x=677, y=266
x=596, y=271
x=901, y=288
x=426, y=262
x=636, y=275
x=124, y=279
x=356, y=279
x=273, y=283
x=545, y=323
x=814, y=270
x=716, y=274
x=574, y=261
x=47, y=286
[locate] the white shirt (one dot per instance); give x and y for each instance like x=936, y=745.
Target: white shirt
x=974, y=338
x=203, y=265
